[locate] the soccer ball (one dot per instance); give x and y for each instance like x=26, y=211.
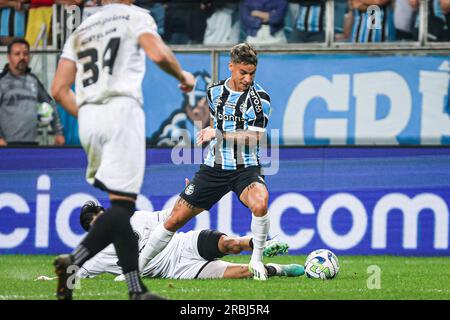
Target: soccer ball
x=45, y=114
x=321, y=264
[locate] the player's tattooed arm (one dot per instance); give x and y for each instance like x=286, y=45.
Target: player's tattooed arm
x=62, y=86
x=182, y=202
x=247, y=137
x=251, y=186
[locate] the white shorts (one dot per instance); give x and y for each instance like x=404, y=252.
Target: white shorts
x=213, y=270
x=181, y=260
x=113, y=137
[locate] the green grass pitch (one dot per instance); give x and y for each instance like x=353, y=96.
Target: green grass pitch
x=401, y=278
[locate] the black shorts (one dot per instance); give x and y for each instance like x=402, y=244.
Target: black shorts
x=211, y=184
x=208, y=244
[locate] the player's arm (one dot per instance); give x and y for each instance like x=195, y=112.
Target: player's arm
x=160, y=53
x=257, y=121
x=209, y=133
x=247, y=137
x=61, y=86
x=163, y=215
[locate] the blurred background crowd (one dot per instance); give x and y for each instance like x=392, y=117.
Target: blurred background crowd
x=220, y=22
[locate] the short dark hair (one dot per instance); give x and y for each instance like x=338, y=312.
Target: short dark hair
x=17, y=40
x=244, y=53
x=88, y=211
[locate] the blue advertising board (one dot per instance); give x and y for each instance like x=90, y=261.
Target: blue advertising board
x=316, y=99
x=352, y=200
x=356, y=99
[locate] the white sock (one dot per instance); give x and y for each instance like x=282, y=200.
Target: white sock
x=156, y=243
x=260, y=228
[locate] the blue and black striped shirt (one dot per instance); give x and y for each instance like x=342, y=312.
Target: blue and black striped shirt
x=373, y=26
x=311, y=17
x=233, y=111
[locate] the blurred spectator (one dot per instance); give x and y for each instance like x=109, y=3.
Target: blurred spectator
x=157, y=11
x=438, y=19
x=13, y=14
x=185, y=22
x=39, y=15
x=403, y=20
x=263, y=20
x=22, y=97
x=372, y=20
x=90, y=7
x=289, y=18
x=309, y=25
x=340, y=10
x=222, y=23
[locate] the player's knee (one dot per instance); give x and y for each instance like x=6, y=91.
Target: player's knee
x=259, y=207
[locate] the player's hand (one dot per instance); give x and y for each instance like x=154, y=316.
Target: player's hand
x=188, y=83
x=205, y=135
x=3, y=142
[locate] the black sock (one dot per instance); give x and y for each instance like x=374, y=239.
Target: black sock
x=114, y=227
x=271, y=271
x=250, y=243
x=101, y=233
x=126, y=245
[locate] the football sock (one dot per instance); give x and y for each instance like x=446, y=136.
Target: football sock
x=259, y=228
x=156, y=243
x=250, y=243
x=114, y=226
x=134, y=282
x=126, y=244
x=80, y=255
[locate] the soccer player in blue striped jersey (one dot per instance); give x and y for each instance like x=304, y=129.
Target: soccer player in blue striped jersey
x=240, y=111
x=234, y=111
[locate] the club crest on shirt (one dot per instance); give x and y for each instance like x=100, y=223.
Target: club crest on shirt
x=189, y=189
x=243, y=107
